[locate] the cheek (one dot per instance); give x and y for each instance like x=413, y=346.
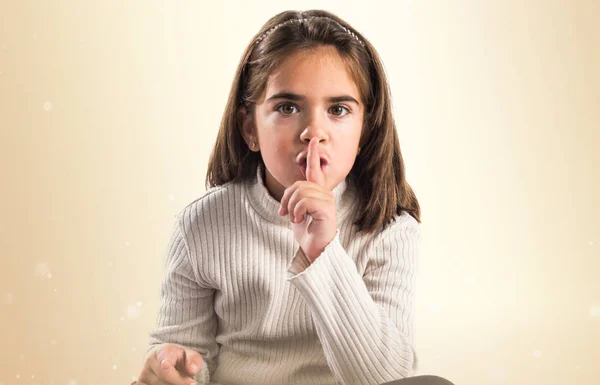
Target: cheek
x=347, y=155
x=348, y=160
x=278, y=151
x=278, y=145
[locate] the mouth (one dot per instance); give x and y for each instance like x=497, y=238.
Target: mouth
x=303, y=166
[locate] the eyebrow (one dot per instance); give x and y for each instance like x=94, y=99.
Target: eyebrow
x=293, y=96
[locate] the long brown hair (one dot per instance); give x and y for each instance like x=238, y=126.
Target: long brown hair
x=378, y=172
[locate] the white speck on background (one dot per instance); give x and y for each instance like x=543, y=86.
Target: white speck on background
x=8, y=299
x=471, y=279
x=139, y=303
x=47, y=106
x=537, y=353
x=114, y=366
x=595, y=311
x=133, y=312
x=42, y=269
x=127, y=243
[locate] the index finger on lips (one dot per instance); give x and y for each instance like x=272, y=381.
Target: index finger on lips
x=313, y=163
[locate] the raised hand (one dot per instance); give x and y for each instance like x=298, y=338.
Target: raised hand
x=311, y=207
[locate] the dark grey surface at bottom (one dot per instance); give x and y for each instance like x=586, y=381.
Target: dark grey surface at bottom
x=420, y=380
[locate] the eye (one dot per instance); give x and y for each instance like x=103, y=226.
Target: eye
x=278, y=108
x=337, y=107
x=343, y=107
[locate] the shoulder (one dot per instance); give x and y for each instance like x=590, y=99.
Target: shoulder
x=402, y=226
x=403, y=229
x=210, y=205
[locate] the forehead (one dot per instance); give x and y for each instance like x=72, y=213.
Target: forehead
x=316, y=74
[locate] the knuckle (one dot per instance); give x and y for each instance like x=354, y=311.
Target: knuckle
x=292, y=202
x=300, y=206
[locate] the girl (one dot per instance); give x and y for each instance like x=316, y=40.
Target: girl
x=298, y=264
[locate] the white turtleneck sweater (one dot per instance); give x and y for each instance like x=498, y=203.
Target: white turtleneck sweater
x=239, y=290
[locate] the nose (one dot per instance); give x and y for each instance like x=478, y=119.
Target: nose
x=315, y=127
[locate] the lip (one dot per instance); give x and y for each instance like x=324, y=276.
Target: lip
x=301, y=159
x=302, y=168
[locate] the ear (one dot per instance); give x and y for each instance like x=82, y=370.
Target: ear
x=247, y=129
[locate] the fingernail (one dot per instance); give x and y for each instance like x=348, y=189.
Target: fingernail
x=194, y=367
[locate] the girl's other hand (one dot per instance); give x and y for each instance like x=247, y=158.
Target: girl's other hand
x=170, y=364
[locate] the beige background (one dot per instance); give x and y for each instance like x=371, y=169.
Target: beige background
x=108, y=112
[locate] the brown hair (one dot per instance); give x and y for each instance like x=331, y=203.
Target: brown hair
x=378, y=171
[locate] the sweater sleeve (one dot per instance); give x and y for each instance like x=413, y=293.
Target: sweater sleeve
x=186, y=316
x=365, y=324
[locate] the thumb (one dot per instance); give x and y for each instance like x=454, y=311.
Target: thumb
x=193, y=361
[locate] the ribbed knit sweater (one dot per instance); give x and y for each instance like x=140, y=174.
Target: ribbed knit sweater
x=239, y=290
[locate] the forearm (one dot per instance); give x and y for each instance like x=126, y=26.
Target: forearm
x=361, y=342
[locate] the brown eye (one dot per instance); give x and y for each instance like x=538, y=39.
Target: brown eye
x=281, y=106
x=340, y=108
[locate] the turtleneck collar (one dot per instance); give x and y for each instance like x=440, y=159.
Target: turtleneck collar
x=268, y=207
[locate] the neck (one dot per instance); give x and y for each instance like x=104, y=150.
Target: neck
x=267, y=205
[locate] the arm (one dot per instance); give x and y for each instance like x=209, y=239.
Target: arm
x=365, y=324
x=186, y=316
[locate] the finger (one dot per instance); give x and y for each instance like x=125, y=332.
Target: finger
x=193, y=362
x=283, y=202
x=166, y=362
x=313, y=164
x=314, y=206
x=300, y=210
x=167, y=372
x=305, y=191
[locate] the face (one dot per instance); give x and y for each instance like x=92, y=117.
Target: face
x=310, y=95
